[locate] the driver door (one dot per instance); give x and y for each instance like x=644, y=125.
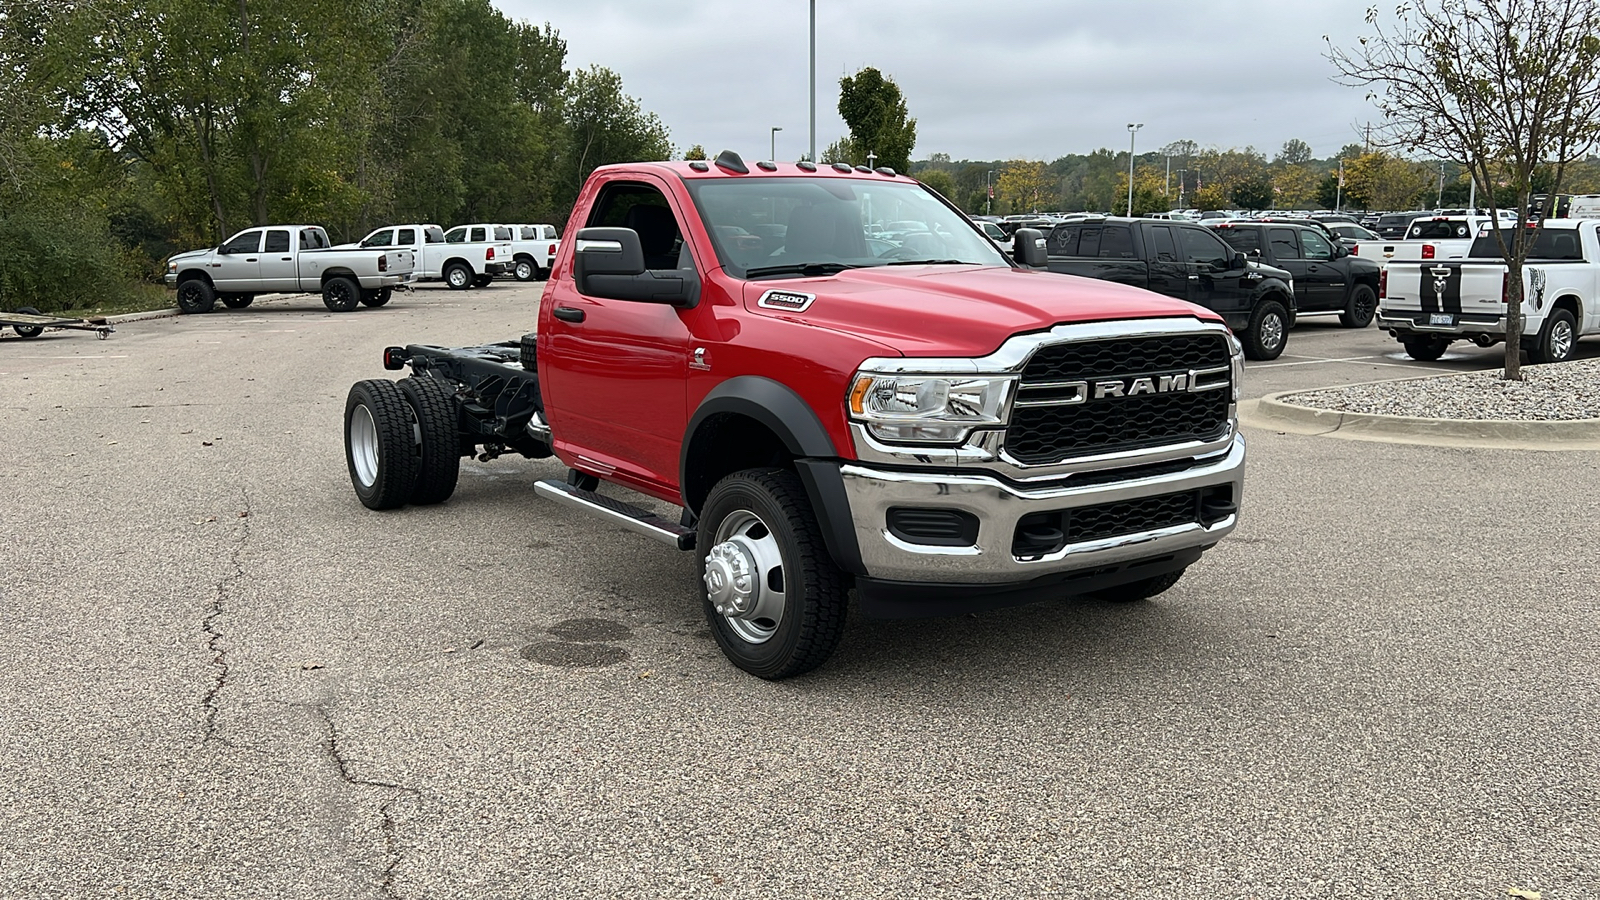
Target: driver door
x=614, y=373
x=238, y=263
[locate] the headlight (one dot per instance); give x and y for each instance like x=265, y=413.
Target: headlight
x=1236, y=351
x=940, y=409
x=172, y=267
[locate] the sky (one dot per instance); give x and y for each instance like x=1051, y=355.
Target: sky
x=985, y=80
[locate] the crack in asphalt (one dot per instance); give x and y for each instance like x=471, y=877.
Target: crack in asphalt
x=212, y=701
x=392, y=850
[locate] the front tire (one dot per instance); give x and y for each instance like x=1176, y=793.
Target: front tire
x=1268, y=331
x=377, y=298
x=237, y=301
x=196, y=296
x=433, y=404
x=341, y=294
x=28, y=331
x=483, y=281
x=1425, y=349
x=458, y=276
x=774, y=597
x=525, y=270
x=1363, y=305
x=379, y=447
x=1557, y=340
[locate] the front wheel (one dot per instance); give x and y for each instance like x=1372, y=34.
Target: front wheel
x=28, y=331
x=1557, y=339
x=378, y=297
x=237, y=301
x=1268, y=331
x=1360, y=309
x=196, y=296
x=379, y=446
x=774, y=597
x=1425, y=349
x=483, y=281
x=458, y=276
x=341, y=295
x=525, y=270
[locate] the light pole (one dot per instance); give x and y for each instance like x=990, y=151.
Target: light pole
x=870, y=157
x=813, y=156
x=1338, y=193
x=988, y=192
x=1133, y=129
x=1181, y=175
x=775, y=130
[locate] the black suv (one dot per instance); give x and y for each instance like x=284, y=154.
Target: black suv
x=1327, y=279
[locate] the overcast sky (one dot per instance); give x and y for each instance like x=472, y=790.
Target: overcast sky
x=984, y=80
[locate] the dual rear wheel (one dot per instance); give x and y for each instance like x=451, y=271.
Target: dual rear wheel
x=401, y=441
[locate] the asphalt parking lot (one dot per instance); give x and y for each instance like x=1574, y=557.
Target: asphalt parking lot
x=224, y=677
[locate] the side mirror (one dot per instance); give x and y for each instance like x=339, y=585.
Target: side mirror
x=1238, y=261
x=1340, y=251
x=609, y=263
x=1256, y=253
x=1027, y=248
x=223, y=249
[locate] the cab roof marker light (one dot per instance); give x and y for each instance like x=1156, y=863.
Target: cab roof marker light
x=767, y=166
x=700, y=165
x=884, y=170
x=806, y=165
x=842, y=167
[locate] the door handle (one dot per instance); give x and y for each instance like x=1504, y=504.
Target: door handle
x=287, y=258
x=251, y=259
x=569, y=314
x=1194, y=277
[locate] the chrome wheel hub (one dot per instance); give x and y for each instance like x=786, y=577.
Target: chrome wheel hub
x=744, y=577
x=1272, y=332
x=1560, y=340
x=364, y=445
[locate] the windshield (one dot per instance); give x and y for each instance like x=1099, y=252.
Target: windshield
x=1438, y=229
x=818, y=225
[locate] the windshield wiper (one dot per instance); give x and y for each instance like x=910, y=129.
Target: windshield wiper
x=934, y=262
x=807, y=269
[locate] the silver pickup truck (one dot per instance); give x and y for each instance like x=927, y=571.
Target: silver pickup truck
x=287, y=259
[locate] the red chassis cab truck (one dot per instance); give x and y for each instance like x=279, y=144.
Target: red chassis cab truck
x=915, y=418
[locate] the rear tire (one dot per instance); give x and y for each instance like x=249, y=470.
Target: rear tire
x=196, y=296
x=1135, y=591
x=378, y=297
x=341, y=294
x=28, y=331
x=458, y=276
x=1360, y=309
x=237, y=301
x=1557, y=339
x=525, y=270
x=379, y=447
x=774, y=597
x=483, y=281
x=433, y=403
x=528, y=351
x=1425, y=349
x=1268, y=331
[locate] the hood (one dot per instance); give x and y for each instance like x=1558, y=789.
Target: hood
x=191, y=255
x=960, y=310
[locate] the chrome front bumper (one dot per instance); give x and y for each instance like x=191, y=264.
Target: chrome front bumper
x=1000, y=505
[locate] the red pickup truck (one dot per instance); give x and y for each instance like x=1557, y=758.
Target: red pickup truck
x=919, y=419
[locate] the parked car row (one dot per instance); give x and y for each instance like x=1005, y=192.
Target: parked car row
x=301, y=259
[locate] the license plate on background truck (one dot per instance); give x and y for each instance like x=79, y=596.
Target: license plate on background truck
x=1441, y=319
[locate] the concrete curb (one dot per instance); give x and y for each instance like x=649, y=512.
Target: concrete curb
x=1272, y=412
x=144, y=316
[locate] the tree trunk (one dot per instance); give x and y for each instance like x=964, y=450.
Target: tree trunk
x=1513, y=320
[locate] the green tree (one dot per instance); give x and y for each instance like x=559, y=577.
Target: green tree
x=606, y=126
x=940, y=180
x=1508, y=86
x=695, y=152
x=1026, y=185
x=873, y=108
x=1295, y=152
x=1253, y=193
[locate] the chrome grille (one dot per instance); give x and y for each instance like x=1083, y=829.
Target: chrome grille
x=1058, y=415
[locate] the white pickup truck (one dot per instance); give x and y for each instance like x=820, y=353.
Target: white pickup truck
x=1428, y=237
x=1428, y=305
x=533, y=247
x=463, y=257
x=287, y=259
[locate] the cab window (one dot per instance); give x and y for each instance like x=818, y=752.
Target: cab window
x=1205, y=249
x=432, y=234
x=1116, y=242
x=455, y=236
x=249, y=242
x=405, y=237
x=502, y=233
x=1166, y=251
x=1063, y=240
x=379, y=239
x=1284, y=246
x=277, y=241
x=479, y=234
x=1317, y=247
x=644, y=209
x=1244, y=240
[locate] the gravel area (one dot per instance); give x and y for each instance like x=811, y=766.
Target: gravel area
x=1558, y=392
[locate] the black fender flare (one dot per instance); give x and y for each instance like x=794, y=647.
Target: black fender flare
x=780, y=410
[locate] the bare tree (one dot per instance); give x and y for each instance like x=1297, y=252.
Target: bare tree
x=1506, y=86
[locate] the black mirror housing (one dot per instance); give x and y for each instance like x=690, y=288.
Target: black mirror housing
x=1238, y=261
x=609, y=263
x=1028, y=249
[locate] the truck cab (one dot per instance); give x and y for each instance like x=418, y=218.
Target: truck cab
x=915, y=426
